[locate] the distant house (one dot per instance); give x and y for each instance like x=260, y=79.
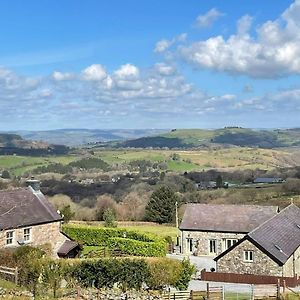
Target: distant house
x=206, y=185
x=268, y=180
x=273, y=248
x=208, y=229
x=27, y=218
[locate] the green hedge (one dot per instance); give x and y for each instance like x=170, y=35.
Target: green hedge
x=137, y=248
x=131, y=273
x=128, y=241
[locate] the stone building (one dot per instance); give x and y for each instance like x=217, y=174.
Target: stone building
x=271, y=249
x=208, y=229
x=27, y=218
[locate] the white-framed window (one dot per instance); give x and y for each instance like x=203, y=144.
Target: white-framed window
x=27, y=234
x=229, y=242
x=9, y=237
x=248, y=256
x=213, y=246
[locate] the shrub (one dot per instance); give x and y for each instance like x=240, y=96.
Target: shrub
x=187, y=270
x=127, y=273
x=137, y=248
x=128, y=241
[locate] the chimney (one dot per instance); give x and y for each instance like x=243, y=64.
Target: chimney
x=34, y=184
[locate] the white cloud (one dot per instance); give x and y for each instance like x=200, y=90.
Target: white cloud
x=164, y=69
x=127, y=71
x=162, y=45
x=209, y=18
x=59, y=76
x=273, y=52
x=94, y=72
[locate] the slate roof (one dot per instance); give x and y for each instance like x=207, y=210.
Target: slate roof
x=268, y=180
x=279, y=236
x=25, y=207
x=225, y=218
x=66, y=247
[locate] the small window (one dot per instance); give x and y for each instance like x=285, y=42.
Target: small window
x=212, y=246
x=229, y=243
x=248, y=256
x=27, y=234
x=9, y=237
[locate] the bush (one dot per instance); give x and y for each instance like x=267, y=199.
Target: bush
x=137, y=248
x=128, y=241
x=127, y=273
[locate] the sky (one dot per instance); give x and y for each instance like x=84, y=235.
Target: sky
x=149, y=64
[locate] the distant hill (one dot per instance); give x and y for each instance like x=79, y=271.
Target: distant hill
x=15, y=144
x=75, y=137
x=231, y=136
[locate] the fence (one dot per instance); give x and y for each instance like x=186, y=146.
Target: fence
x=248, y=278
x=211, y=293
x=10, y=274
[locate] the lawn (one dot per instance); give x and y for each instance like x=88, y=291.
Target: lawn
x=18, y=165
x=147, y=227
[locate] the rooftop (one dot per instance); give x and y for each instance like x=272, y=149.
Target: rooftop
x=225, y=217
x=25, y=207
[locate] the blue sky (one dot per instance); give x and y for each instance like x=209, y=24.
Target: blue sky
x=149, y=64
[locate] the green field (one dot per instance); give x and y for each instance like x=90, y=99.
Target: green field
x=18, y=165
x=189, y=160
x=147, y=227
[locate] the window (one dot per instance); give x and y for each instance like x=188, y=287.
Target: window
x=190, y=244
x=27, y=234
x=9, y=237
x=229, y=242
x=248, y=256
x=213, y=246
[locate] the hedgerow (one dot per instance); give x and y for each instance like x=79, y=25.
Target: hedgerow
x=127, y=241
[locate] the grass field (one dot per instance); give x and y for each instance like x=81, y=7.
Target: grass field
x=147, y=227
x=17, y=165
x=231, y=158
x=192, y=160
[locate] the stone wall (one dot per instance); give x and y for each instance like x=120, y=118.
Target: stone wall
x=233, y=262
x=201, y=241
x=292, y=267
x=40, y=235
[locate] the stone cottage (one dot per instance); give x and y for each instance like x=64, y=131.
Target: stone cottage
x=271, y=249
x=27, y=218
x=210, y=229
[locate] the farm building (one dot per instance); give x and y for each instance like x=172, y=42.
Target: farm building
x=211, y=229
x=27, y=218
x=270, y=180
x=271, y=249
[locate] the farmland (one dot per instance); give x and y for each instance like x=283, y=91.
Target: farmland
x=187, y=160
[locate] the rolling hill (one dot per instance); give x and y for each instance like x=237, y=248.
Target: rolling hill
x=75, y=137
x=15, y=144
x=231, y=136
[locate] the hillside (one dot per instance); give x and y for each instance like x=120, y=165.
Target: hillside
x=190, y=138
x=15, y=144
x=75, y=137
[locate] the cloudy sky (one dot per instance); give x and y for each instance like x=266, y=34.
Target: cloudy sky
x=149, y=64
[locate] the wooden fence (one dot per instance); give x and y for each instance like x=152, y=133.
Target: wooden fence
x=248, y=278
x=10, y=273
x=211, y=293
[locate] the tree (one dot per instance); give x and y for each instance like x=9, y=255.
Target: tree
x=161, y=207
x=109, y=218
x=67, y=213
x=219, y=181
x=5, y=174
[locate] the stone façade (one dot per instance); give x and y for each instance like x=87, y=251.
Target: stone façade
x=233, y=262
x=201, y=240
x=42, y=234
